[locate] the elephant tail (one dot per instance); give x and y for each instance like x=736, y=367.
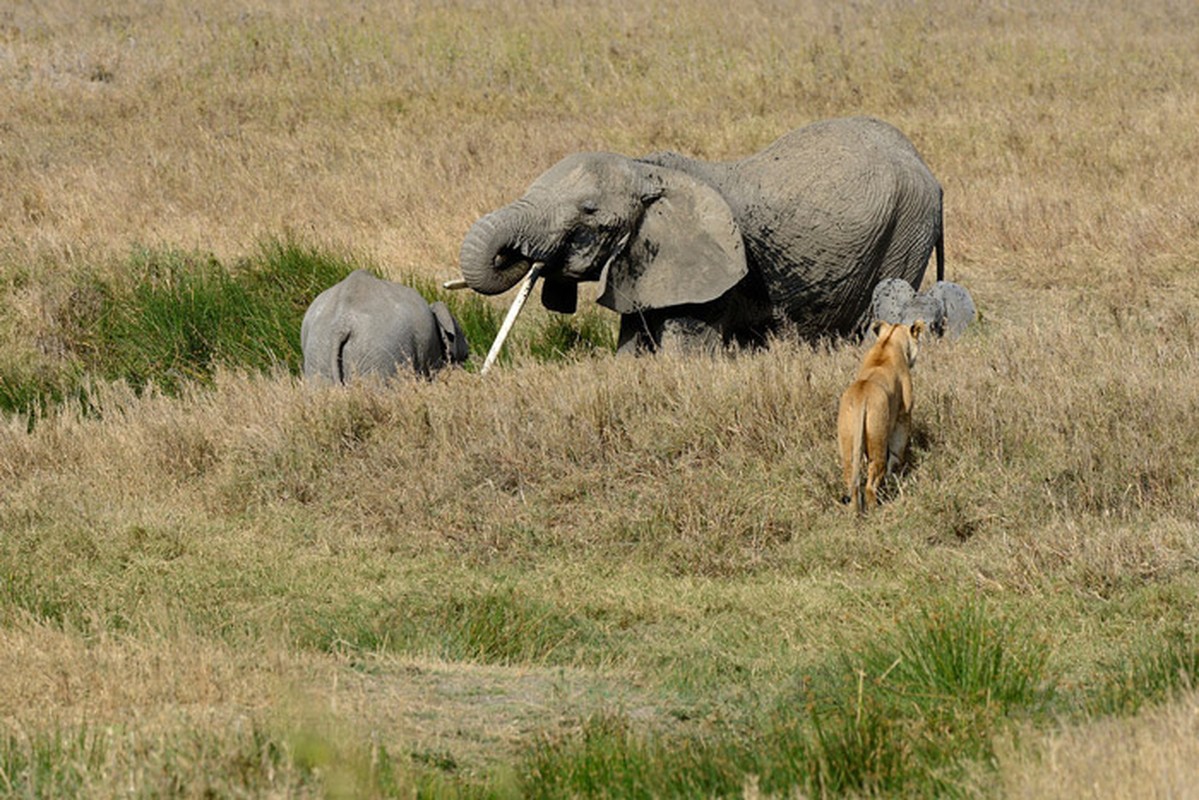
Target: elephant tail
x=339, y=356
x=940, y=255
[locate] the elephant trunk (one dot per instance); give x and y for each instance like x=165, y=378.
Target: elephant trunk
x=490, y=259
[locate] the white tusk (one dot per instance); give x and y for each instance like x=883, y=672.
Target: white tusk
x=455, y=284
x=517, y=304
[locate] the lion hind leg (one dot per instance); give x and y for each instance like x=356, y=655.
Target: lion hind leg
x=876, y=468
x=851, y=440
x=877, y=449
x=897, y=445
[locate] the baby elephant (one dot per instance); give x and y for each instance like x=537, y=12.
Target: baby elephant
x=368, y=326
x=947, y=307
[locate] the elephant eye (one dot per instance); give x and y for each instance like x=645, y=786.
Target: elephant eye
x=590, y=209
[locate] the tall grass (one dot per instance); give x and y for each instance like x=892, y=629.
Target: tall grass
x=1149, y=674
x=168, y=318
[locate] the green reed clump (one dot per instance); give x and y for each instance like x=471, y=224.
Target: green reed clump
x=551, y=338
x=73, y=761
x=35, y=596
x=167, y=318
x=495, y=625
x=31, y=393
x=177, y=316
x=913, y=706
x=560, y=337
x=51, y=764
x=967, y=655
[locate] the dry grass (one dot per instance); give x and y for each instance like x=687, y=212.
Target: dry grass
x=1152, y=756
x=205, y=580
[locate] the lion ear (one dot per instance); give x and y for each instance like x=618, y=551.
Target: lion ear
x=917, y=328
x=877, y=326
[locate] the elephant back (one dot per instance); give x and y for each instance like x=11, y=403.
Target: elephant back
x=828, y=211
x=368, y=326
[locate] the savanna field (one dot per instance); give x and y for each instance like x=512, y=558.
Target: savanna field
x=583, y=575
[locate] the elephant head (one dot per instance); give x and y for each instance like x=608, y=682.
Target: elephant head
x=895, y=301
x=655, y=237
x=958, y=305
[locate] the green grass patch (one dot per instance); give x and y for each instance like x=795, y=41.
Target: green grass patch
x=51, y=765
x=547, y=338
x=904, y=715
x=33, y=393
x=36, y=596
x=584, y=333
x=298, y=759
x=913, y=706
x=1152, y=674
x=494, y=625
x=170, y=318
x=181, y=315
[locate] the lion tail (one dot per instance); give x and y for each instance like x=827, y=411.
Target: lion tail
x=859, y=443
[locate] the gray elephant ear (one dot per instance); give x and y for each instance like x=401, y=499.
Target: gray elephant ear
x=452, y=338
x=687, y=249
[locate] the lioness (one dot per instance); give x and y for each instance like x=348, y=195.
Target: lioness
x=876, y=411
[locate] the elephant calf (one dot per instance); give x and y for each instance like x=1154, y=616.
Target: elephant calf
x=368, y=326
x=947, y=307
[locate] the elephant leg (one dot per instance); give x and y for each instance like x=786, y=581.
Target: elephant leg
x=681, y=329
x=635, y=335
x=667, y=329
x=689, y=335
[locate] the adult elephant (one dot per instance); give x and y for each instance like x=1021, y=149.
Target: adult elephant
x=723, y=252
x=368, y=326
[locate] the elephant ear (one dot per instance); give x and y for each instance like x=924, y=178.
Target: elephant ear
x=687, y=249
x=452, y=338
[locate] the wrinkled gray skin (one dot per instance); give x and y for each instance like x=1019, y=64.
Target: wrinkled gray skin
x=946, y=307
x=711, y=254
x=368, y=326
x=959, y=307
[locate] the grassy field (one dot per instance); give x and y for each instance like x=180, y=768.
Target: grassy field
x=582, y=575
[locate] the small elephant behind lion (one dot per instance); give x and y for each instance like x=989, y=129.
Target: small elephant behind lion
x=367, y=326
x=946, y=307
